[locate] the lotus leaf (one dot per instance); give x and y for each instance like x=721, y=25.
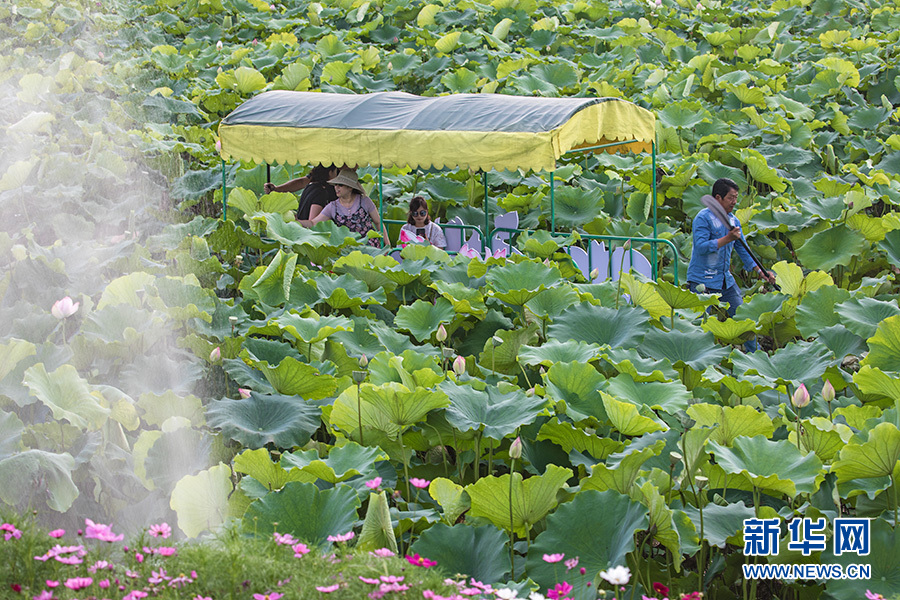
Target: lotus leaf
x=410, y=368
x=730, y=331
x=662, y=522
x=884, y=557
x=303, y=511
x=262, y=419
x=597, y=527
x=783, y=366
x=743, y=387
x=377, y=531
x=666, y=396
x=359, y=341
x=841, y=341
x=770, y=465
x=67, y=395
x=500, y=414
x=823, y=437
x=693, y=348
x=51, y=472
x=124, y=290
x=644, y=294
x=551, y=303
x=629, y=360
x=876, y=457
x=345, y=292
x=178, y=452
x=342, y=463
x=259, y=465
x=884, y=346
x=891, y=247
x=517, y=283
x=451, y=497
x=11, y=428
x=874, y=381
x=481, y=553
x=269, y=351
x=503, y=358
x=554, y=351
x=577, y=384
x=731, y=422
x=722, y=525
x=463, y=298
x=389, y=408
x=862, y=315
x=422, y=318
x=571, y=438
x=621, y=470
x=629, y=419
x=294, y=378
x=856, y=416
x=585, y=322
x=398, y=343
x=816, y=310
x=310, y=330
x=679, y=298
x=532, y=498
x=834, y=246
x=409, y=270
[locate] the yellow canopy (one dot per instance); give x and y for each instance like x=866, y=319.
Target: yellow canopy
x=476, y=131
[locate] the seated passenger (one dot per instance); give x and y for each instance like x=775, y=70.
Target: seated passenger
x=419, y=223
x=352, y=209
x=316, y=191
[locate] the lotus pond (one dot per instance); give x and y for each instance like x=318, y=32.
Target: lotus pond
x=262, y=389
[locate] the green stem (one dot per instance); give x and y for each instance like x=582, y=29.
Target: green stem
x=512, y=568
x=477, y=460
x=359, y=415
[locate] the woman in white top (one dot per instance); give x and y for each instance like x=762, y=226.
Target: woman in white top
x=419, y=223
x=352, y=209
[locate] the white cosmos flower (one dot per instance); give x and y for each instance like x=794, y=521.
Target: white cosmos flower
x=617, y=575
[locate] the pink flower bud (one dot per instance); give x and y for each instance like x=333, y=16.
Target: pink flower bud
x=215, y=355
x=244, y=392
x=800, y=397
x=441, y=334
x=64, y=308
x=515, y=449
x=219, y=45
x=828, y=391
x=459, y=365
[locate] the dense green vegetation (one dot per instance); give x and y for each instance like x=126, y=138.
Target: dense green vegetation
x=213, y=369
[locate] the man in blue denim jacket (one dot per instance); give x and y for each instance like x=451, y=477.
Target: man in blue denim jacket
x=711, y=258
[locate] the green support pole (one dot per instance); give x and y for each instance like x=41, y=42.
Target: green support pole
x=487, y=216
x=381, y=201
x=653, y=257
x=552, y=205
x=224, y=194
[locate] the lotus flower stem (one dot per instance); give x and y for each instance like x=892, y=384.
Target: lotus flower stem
x=512, y=568
x=359, y=413
x=477, y=460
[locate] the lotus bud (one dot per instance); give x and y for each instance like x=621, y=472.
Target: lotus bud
x=529, y=392
x=658, y=3
x=543, y=371
x=218, y=145
x=800, y=397
x=219, y=45
x=238, y=261
x=215, y=355
x=828, y=391
x=64, y=308
x=459, y=365
x=595, y=273
x=244, y=392
x=515, y=449
x=496, y=340
x=19, y=252
x=850, y=205
x=627, y=245
x=441, y=334
x=363, y=361
x=701, y=288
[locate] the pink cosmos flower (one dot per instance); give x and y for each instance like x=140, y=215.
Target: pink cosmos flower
x=373, y=484
x=57, y=533
x=571, y=563
x=77, y=583
x=660, y=589
x=44, y=595
x=383, y=553
x=68, y=560
x=327, y=589
x=158, y=576
x=284, y=539
x=560, y=591
x=161, y=530
x=369, y=581
x=11, y=531
x=104, y=584
x=420, y=561
x=392, y=578
x=135, y=595
x=553, y=558
x=52, y=583
x=269, y=596
x=300, y=549
x=139, y=557
x=873, y=596
x=166, y=551
x=419, y=483
x=64, y=308
x=385, y=588
x=99, y=531
x=344, y=537
x=100, y=564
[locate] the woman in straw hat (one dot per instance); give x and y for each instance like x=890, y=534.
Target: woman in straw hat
x=352, y=209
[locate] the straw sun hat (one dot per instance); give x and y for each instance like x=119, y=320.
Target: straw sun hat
x=348, y=177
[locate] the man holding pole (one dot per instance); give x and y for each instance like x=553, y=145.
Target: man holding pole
x=710, y=264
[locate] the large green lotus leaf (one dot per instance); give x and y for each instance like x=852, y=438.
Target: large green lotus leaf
x=67, y=395
x=303, y=511
x=816, y=309
x=552, y=302
x=179, y=451
x=12, y=353
x=410, y=270
x=874, y=381
x=884, y=346
x=452, y=497
x=124, y=290
x=876, y=457
x=585, y=322
x=629, y=419
x=683, y=115
x=261, y=419
x=644, y=294
x=669, y=396
x=792, y=281
x=500, y=414
x=377, y=531
x=183, y=298
x=596, y=527
x=37, y=473
x=517, y=283
x=679, y=298
x=345, y=291
x=831, y=247
x=313, y=329
x=478, y=552
x=630, y=361
x=862, y=315
x=201, y=500
x=569, y=438
x=554, y=351
x=398, y=343
x=291, y=233
x=503, y=358
x=842, y=342
x=11, y=428
x=621, y=470
x=412, y=369
x=366, y=268
x=771, y=465
x=694, y=348
x=294, y=378
x=389, y=408
x=463, y=298
x=730, y=331
x=795, y=363
x=359, y=341
x=532, y=498
x=577, y=384
x=731, y=422
x=891, y=246
x=662, y=522
x=823, y=437
x=342, y=462
x=743, y=387
x=857, y=416
x=258, y=464
x=722, y=524
x=279, y=273
x=267, y=350
x=884, y=558
x=422, y=318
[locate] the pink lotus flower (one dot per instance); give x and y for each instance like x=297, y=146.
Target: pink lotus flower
x=219, y=142
x=77, y=583
x=300, y=549
x=419, y=483
x=327, y=589
x=57, y=533
x=409, y=238
x=469, y=252
x=553, y=558
x=501, y=253
x=344, y=537
x=244, y=392
x=161, y=530
x=64, y=308
x=101, y=532
x=828, y=391
x=420, y=561
x=373, y=484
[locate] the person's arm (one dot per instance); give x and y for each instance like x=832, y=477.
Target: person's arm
x=376, y=218
x=290, y=186
x=315, y=210
x=324, y=214
x=749, y=263
x=437, y=237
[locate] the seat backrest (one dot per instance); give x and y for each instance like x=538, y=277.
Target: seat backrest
x=454, y=235
x=580, y=257
x=474, y=241
x=630, y=260
x=508, y=220
x=599, y=259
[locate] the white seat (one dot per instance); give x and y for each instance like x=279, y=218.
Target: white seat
x=633, y=261
x=580, y=258
x=453, y=235
x=474, y=241
x=599, y=259
x=508, y=220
